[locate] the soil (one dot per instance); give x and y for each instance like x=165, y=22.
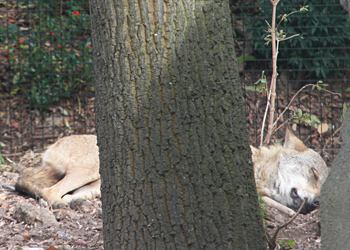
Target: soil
x=304, y=232
x=81, y=228
x=21, y=227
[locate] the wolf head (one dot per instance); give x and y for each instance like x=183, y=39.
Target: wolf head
x=290, y=173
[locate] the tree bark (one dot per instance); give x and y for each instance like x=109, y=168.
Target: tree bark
x=334, y=210
x=174, y=154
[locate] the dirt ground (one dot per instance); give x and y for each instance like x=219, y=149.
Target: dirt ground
x=22, y=228
x=304, y=232
x=26, y=223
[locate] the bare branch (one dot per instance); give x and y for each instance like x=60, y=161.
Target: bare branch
x=285, y=109
x=272, y=241
x=286, y=15
x=283, y=39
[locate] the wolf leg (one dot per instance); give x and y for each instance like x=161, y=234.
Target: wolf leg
x=88, y=191
x=71, y=182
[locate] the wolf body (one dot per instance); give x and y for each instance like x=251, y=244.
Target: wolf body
x=289, y=173
x=70, y=171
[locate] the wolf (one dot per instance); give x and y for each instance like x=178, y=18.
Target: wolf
x=289, y=173
x=69, y=171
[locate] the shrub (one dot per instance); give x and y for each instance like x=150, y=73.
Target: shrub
x=50, y=54
x=322, y=46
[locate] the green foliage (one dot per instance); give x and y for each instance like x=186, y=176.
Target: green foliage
x=262, y=212
x=260, y=85
x=2, y=160
x=306, y=118
x=286, y=243
x=243, y=58
x=51, y=57
x=323, y=31
x=261, y=204
x=345, y=109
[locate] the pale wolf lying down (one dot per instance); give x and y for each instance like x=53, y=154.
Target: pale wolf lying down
x=288, y=174
x=70, y=171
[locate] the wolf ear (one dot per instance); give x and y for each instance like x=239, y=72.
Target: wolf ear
x=254, y=150
x=293, y=142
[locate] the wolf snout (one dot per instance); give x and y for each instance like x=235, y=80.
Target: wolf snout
x=309, y=206
x=317, y=201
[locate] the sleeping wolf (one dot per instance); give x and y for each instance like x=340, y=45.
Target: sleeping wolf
x=70, y=171
x=288, y=174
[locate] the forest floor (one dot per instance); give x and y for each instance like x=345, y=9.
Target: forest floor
x=25, y=224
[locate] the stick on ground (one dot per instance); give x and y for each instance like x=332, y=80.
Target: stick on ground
x=280, y=207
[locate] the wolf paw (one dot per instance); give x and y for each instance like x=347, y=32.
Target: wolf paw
x=76, y=203
x=58, y=205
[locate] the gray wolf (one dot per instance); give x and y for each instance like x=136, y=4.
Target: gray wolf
x=289, y=173
x=69, y=171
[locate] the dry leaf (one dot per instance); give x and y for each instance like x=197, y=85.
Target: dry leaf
x=322, y=128
x=3, y=197
x=15, y=124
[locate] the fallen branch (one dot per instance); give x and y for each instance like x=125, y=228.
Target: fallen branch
x=8, y=218
x=12, y=188
x=280, y=207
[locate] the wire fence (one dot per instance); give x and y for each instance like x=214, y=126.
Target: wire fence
x=46, y=70
x=45, y=73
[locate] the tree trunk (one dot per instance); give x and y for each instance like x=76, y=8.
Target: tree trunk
x=335, y=201
x=175, y=160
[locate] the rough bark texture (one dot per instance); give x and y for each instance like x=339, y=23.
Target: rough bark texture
x=175, y=161
x=335, y=197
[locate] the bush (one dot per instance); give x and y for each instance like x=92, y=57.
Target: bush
x=322, y=46
x=50, y=54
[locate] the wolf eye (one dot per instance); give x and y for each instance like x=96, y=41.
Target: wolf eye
x=294, y=193
x=314, y=171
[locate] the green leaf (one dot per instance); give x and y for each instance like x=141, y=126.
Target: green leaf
x=315, y=119
x=300, y=113
x=345, y=109
x=14, y=91
x=242, y=59
x=291, y=243
x=304, y=8
x=250, y=88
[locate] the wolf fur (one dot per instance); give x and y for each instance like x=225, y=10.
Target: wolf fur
x=289, y=173
x=69, y=171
